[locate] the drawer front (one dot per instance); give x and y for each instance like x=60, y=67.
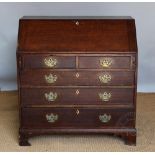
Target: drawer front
x=75, y=96
x=105, y=62
x=48, y=61
x=76, y=118
x=79, y=78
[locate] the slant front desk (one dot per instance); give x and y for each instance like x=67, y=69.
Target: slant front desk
x=77, y=75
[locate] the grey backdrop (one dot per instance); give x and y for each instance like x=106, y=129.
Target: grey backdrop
x=144, y=13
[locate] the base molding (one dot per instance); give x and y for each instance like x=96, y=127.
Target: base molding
x=128, y=134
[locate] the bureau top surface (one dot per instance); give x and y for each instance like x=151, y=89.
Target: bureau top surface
x=76, y=34
x=75, y=17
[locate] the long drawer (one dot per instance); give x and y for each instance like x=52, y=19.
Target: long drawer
x=76, y=78
x=75, y=96
x=76, y=118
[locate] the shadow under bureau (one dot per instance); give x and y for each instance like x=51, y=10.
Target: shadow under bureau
x=77, y=75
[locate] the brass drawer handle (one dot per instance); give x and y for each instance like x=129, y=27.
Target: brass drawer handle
x=50, y=78
x=50, y=62
x=105, y=62
x=105, y=96
x=51, y=118
x=105, y=78
x=104, y=118
x=51, y=96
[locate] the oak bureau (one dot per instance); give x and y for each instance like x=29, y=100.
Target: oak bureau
x=77, y=75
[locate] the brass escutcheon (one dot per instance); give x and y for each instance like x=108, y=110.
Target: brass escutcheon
x=77, y=23
x=77, y=92
x=77, y=112
x=77, y=75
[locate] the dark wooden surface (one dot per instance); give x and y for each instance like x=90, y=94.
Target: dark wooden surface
x=86, y=96
x=67, y=117
x=118, y=62
x=37, y=61
x=68, y=35
x=77, y=44
x=31, y=78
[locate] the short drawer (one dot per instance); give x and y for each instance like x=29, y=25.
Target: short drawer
x=106, y=62
x=76, y=118
x=75, y=96
x=31, y=61
x=76, y=78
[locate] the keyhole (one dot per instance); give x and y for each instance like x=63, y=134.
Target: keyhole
x=77, y=23
x=77, y=75
x=77, y=112
x=77, y=92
